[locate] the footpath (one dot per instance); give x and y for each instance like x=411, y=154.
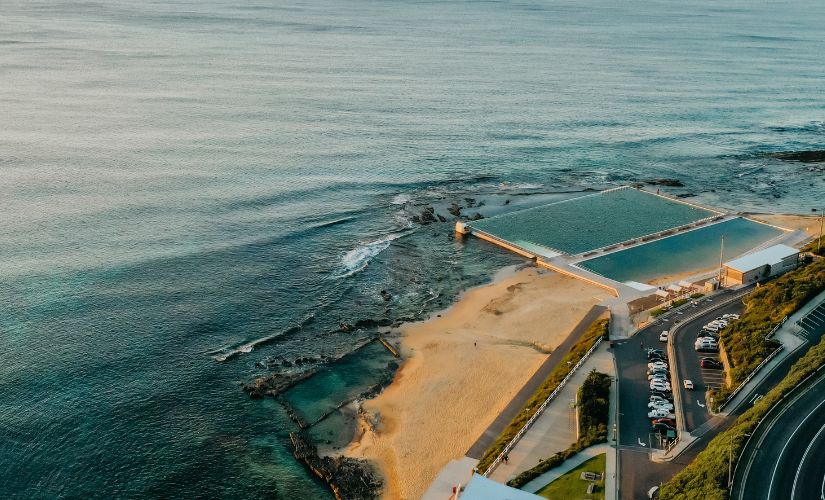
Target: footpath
x=556, y=429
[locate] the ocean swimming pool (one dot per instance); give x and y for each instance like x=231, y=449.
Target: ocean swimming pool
x=692, y=250
x=593, y=221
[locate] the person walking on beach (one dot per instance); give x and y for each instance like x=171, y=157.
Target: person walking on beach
x=506, y=459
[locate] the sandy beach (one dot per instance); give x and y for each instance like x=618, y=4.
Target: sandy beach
x=807, y=223
x=461, y=370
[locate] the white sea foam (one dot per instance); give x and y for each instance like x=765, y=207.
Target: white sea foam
x=357, y=259
x=400, y=199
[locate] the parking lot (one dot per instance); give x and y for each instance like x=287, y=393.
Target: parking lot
x=813, y=325
x=688, y=365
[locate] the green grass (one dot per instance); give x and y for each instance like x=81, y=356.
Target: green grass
x=599, y=329
x=706, y=477
x=571, y=487
x=594, y=408
x=697, y=295
x=744, y=340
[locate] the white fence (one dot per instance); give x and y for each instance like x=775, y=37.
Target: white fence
x=536, y=415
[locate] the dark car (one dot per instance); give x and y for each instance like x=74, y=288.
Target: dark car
x=653, y=359
x=708, y=348
x=664, y=395
x=666, y=421
x=711, y=363
x=661, y=428
x=704, y=334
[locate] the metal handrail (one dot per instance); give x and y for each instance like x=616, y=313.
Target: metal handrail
x=510, y=445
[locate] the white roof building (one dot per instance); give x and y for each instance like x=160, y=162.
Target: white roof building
x=767, y=257
x=760, y=265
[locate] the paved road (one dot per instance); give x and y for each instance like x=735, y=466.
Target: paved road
x=687, y=364
x=784, y=459
x=631, y=363
x=517, y=403
x=638, y=473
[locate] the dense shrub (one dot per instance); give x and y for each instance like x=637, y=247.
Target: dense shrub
x=744, y=340
x=812, y=246
x=594, y=408
x=599, y=329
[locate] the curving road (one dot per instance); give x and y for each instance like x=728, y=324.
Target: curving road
x=784, y=459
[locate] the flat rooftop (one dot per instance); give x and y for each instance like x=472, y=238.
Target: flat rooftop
x=592, y=221
x=769, y=256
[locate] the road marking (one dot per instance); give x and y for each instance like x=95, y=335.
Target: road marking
x=700, y=404
x=779, y=458
x=802, y=462
x=641, y=443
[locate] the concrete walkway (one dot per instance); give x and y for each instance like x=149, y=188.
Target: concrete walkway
x=526, y=392
x=555, y=429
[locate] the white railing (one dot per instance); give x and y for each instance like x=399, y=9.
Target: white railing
x=777, y=327
x=751, y=375
x=510, y=445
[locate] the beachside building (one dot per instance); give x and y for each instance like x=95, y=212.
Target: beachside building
x=759, y=265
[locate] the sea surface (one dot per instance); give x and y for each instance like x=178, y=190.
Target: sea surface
x=194, y=194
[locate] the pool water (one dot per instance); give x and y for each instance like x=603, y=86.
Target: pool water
x=593, y=221
x=693, y=250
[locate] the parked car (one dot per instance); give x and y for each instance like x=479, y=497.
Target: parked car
x=707, y=348
x=663, y=336
x=711, y=363
x=707, y=335
x=657, y=364
x=662, y=394
x=667, y=421
x=667, y=406
x=711, y=328
x=658, y=385
x=661, y=428
x=654, y=397
x=654, y=351
x=659, y=377
x=730, y=317
x=688, y=384
x=660, y=413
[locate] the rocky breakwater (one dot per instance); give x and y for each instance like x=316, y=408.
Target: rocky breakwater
x=348, y=478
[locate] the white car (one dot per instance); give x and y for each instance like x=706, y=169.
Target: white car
x=660, y=413
x=663, y=336
x=657, y=385
x=656, y=404
x=657, y=364
x=654, y=397
x=660, y=377
x=688, y=384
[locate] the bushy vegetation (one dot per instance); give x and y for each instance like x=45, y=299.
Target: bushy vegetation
x=599, y=329
x=706, y=477
x=594, y=408
x=697, y=295
x=812, y=246
x=744, y=340
x=680, y=302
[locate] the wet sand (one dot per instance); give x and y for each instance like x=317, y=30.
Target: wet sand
x=461, y=370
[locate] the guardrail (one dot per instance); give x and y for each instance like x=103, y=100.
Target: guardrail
x=750, y=376
x=777, y=327
x=541, y=409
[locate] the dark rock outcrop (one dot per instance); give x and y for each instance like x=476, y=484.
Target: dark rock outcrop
x=665, y=182
x=348, y=478
x=815, y=156
x=274, y=384
x=454, y=210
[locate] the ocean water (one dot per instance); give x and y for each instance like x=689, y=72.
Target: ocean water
x=197, y=193
x=698, y=249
